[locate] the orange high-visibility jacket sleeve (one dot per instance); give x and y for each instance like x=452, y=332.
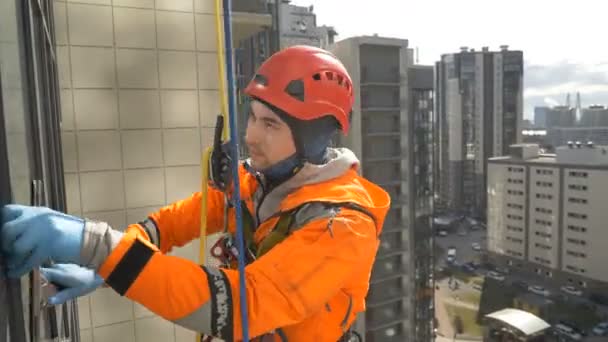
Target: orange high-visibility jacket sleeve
x=179, y=223
x=285, y=286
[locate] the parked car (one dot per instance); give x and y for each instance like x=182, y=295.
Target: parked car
x=476, y=246
x=600, y=329
x=495, y=275
x=568, y=331
x=442, y=233
x=571, y=290
x=539, y=290
x=520, y=284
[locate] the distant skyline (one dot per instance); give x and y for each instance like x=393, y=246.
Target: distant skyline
x=563, y=44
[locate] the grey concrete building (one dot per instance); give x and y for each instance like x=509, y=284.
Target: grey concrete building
x=298, y=26
x=594, y=116
x=546, y=212
x=560, y=116
x=479, y=113
x=392, y=133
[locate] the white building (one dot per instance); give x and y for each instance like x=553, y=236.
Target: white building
x=548, y=213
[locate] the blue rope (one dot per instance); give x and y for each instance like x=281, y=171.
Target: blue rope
x=234, y=144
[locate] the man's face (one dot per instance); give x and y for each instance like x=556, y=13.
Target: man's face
x=268, y=138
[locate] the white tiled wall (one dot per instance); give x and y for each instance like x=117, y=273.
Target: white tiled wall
x=139, y=98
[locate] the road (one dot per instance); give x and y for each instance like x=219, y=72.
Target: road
x=464, y=251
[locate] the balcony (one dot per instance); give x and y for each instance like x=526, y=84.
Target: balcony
x=249, y=17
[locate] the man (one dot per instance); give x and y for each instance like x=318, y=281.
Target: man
x=312, y=223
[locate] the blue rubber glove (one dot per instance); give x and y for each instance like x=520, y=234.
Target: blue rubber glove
x=72, y=281
x=31, y=236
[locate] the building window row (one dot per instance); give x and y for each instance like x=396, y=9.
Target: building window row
x=577, y=216
x=514, y=239
x=515, y=217
x=576, y=254
x=575, y=269
x=515, y=192
x=543, y=222
x=544, y=196
x=516, y=169
x=515, y=206
x=515, y=229
x=577, y=200
x=515, y=181
x=543, y=210
x=577, y=187
x=544, y=184
x=542, y=260
x=580, y=174
x=544, y=172
x=514, y=253
x=577, y=228
x=577, y=242
x=542, y=246
x=542, y=234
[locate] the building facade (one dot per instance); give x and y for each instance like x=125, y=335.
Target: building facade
x=392, y=134
x=479, y=113
x=546, y=212
x=298, y=26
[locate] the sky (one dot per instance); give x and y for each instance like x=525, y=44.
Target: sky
x=565, y=43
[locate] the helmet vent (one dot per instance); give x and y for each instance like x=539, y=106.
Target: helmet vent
x=261, y=80
x=295, y=89
x=316, y=77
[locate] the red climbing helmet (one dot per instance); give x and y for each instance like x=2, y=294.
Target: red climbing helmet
x=307, y=83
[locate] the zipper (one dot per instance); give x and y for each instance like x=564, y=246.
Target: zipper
x=350, y=308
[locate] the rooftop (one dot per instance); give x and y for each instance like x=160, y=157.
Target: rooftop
x=523, y=321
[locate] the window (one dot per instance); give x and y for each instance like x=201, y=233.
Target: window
x=542, y=246
x=577, y=229
x=542, y=222
x=577, y=216
x=544, y=196
x=576, y=254
x=514, y=229
x=578, y=174
x=514, y=239
x=542, y=260
x=544, y=184
x=577, y=200
x=515, y=206
x=577, y=187
x=544, y=172
x=515, y=217
x=515, y=192
x=577, y=242
x=542, y=234
x=514, y=253
x=543, y=210
x=515, y=181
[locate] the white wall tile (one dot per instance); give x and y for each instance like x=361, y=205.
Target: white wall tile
x=116, y=219
x=137, y=68
x=207, y=135
x=123, y=332
x=140, y=214
x=142, y=148
x=72, y=192
x=204, y=6
x=183, y=334
x=108, y=308
x=61, y=22
x=95, y=2
x=99, y=150
x=174, y=5
x=63, y=67
x=134, y=3
x=207, y=71
x=95, y=109
x=84, y=312
x=181, y=146
x=175, y=30
x=205, y=32
x=90, y=25
x=139, y=109
x=210, y=101
x=86, y=335
x=154, y=329
x=142, y=312
x=92, y=67
x=102, y=191
x=144, y=187
x=67, y=110
x=135, y=28
x=182, y=182
x=177, y=70
x=179, y=108
x=68, y=146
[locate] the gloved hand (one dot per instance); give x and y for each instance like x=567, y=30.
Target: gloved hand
x=30, y=236
x=72, y=281
x=220, y=173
